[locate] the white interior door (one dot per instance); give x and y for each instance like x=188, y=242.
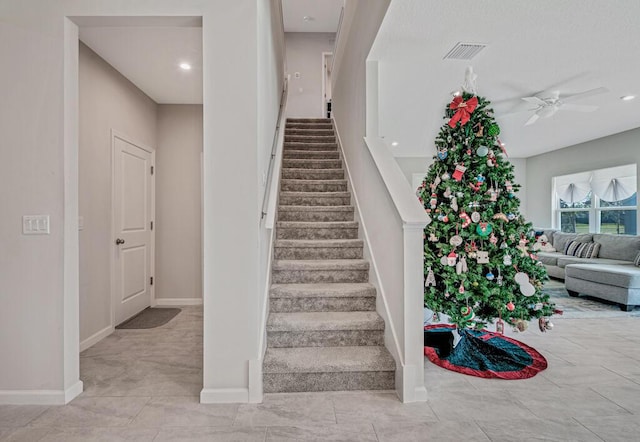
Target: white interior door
x=133, y=237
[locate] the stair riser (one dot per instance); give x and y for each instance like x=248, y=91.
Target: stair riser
x=324, y=126
x=308, y=121
x=310, y=155
x=315, y=216
x=328, y=132
x=318, y=276
x=302, y=186
x=296, y=200
x=299, y=305
x=310, y=138
x=331, y=381
x=316, y=233
x=311, y=147
x=311, y=164
x=318, y=252
x=311, y=174
x=328, y=338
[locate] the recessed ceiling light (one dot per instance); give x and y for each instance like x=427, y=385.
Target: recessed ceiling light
x=628, y=97
x=395, y=143
x=308, y=18
x=185, y=66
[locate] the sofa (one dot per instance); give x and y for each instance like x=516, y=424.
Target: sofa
x=611, y=273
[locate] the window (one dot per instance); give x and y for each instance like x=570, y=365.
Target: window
x=599, y=201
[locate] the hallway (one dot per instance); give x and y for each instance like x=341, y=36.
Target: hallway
x=143, y=385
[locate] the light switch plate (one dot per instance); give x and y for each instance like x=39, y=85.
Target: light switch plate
x=35, y=225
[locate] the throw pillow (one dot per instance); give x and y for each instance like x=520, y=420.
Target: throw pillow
x=571, y=247
x=588, y=250
x=637, y=260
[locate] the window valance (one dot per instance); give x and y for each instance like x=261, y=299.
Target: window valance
x=611, y=184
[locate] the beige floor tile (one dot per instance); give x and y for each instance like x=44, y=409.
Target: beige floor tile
x=586, y=375
x=217, y=434
x=184, y=412
x=448, y=431
x=477, y=404
x=92, y=412
x=333, y=433
x=100, y=435
x=627, y=396
x=537, y=429
x=19, y=415
x=372, y=407
x=287, y=410
x=614, y=428
x=23, y=434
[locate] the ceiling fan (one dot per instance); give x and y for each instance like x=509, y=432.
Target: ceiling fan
x=545, y=104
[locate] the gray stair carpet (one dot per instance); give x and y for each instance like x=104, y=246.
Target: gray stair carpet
x=323, y=332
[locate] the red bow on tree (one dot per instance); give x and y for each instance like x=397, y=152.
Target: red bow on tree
x=464, y=110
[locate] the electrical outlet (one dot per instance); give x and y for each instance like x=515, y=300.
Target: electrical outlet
x=35, y=225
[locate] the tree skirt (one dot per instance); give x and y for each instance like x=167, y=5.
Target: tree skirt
x=487, y=354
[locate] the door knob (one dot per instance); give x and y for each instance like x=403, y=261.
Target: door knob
x=119, y=241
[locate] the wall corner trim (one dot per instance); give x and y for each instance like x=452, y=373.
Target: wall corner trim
x=177, y=301
x=96, y=337
x=224, y=395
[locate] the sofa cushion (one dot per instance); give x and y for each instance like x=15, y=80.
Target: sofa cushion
x=636, y=261
x=549, y=258
x=560, y=239
x=627, y=276
x=564, y=260
x=623, y=247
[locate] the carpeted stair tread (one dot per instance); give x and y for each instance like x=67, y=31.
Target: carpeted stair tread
x=310, y=138
x=312, y=174
x=320, y=264
x=308, y=131
x=293, y=185
x=316, y=225
x=310, y=147
x=323, y=321
x=340, y=194
x=315, y=209
x=328, y=290
x=291, y=154
x=311, y=164
x=328, y=359
x=309, y=120
x=319, y=243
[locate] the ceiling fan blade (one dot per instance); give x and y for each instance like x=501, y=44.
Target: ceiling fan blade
x=534, y=100
x=578, y=107
x=532, y=120
x=585, y=94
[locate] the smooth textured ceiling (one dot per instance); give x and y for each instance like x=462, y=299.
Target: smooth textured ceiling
x=149, y=56
x=324, y=15
x=569, y=45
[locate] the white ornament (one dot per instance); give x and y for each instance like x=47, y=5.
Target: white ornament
x=475, y=217
x=454, y=204
x=455, y=240
x=461, y=267
x=526, y=288
x=452, y=258
x=431, y=279
x=482, y=257
x=506, y=260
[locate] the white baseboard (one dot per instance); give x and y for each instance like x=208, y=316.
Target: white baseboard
x=178, y=301
x=40, y=397
x=224, y=395
x=255, y=381
x=96, y=337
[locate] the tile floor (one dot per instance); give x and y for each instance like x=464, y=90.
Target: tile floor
x=143, y=385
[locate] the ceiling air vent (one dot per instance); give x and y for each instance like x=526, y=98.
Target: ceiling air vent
x=464, y=51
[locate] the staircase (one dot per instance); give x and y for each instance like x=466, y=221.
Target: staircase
x=323, y=333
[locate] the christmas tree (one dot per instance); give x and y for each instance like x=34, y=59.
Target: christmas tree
x=478, y=264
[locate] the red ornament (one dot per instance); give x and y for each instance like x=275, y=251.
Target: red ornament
x=463, y=110
x=510, y=306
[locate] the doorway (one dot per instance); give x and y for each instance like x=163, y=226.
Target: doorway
x=327, y=66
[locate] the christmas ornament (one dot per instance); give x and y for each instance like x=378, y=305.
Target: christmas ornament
x=452, y=257
x=461, y=288
x=482, y=151
x=442, y=154
x=501, y=216
x=491, y=159
x=493, y=239
x=475, y=217
x=503, y=245
x=522, y=246
x=479, y=129
x=463, y=109
x=526, y=288
x=478, y=183
x=520, y=325
x=500, y=326
x=511, y=216
x=454, y=204
x=447, y=192
x=443, y=260
x=461, y=267
x=459, y=171
x=445, y=176
x=494, y=130
x=490, y=276
x=493, y=194
x=433, y=237
x=467, y=313
x=482, y=257
x=447, y=294
x=510, y=306
x=466, y=220
x=433, y=202
x=455, y=240
x=506, y=260
x=484, y=229
x=431, y=279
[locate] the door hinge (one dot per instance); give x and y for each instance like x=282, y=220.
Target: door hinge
x=151, y=281
x=151, y=225
x=151, y=170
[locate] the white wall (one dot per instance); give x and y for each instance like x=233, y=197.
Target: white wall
x=614, y=150
x=304, y=55
x=38, y=121
x=107, y=101
x=178, y=226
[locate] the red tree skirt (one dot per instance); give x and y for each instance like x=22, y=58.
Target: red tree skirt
x=487, y=354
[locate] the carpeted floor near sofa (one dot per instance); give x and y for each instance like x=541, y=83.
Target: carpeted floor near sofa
x=583, y=307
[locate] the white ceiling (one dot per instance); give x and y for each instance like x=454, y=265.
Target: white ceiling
x=148, y=51
x=572, y=45
x=323, y=15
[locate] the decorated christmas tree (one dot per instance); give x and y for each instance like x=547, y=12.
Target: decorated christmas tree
x=478, y=264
